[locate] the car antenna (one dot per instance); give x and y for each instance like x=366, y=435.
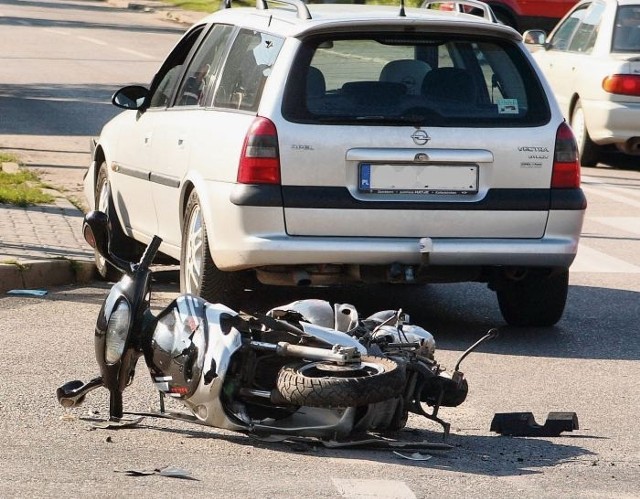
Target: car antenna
x=402, y=13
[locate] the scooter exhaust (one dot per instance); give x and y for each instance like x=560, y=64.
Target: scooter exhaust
x=72, y=393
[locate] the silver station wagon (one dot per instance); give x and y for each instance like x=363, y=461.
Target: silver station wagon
x=333, y=144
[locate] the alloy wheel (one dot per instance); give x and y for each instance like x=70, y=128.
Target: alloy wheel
x=194, y=252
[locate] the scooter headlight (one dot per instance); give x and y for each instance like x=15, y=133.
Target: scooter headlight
x=117, y=331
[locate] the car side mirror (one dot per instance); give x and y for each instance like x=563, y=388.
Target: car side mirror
x=534, y=37
x=130, y=97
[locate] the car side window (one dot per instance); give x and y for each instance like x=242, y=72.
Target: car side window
x=246, y=70
x=562, y=36
x=203, y=68
x=587, y=31
x=167, y=78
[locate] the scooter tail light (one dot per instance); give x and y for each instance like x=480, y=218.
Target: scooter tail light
x=566, y=165
x=260, y=159
x=622, y=84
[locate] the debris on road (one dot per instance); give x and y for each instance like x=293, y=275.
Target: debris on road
x=27, y=292
x=523, y=424
x=416, y=456
x=168, y=471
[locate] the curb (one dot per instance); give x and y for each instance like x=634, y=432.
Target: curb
x=33, y=263
x=47, y=273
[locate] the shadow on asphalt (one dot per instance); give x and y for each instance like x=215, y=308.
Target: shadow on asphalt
x=490, y=455
x=77, y=109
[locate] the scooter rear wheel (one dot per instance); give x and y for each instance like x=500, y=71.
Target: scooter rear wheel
x=321, y=384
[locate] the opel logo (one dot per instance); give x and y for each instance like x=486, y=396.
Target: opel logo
x=420, y=137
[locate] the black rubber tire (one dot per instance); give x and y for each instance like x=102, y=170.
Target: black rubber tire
x=588, y=150
x=537, y=300
x=118, y=240
x=209, y=282
x=305, y=384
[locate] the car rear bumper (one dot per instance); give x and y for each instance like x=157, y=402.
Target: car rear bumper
x=255, y=235
x=611, y=122
x=289, y=251
x=556, y=249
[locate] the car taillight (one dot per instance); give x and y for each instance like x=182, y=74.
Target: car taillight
x=622, y=84
x=566, y=167
x=260, y=160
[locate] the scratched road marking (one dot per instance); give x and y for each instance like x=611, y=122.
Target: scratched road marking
x=373, y=489
x=612, y=192
x=56, y=31
x=594, y=261
x=626, y=224
x=135, y=52
x=92, y=40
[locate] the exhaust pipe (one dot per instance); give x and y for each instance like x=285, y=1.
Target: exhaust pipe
x=301, y=278
x=72, y=393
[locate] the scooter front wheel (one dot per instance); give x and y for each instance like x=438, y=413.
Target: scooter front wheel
x=323, y=384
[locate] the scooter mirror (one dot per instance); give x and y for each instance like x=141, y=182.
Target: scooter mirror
x=96, y=231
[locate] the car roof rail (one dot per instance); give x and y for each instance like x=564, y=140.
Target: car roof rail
x=459, y=5
x=299, y=5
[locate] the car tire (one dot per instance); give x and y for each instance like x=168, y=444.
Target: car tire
x=588, y=150
x=536, y=300
x=198, y=272
x=119, y=242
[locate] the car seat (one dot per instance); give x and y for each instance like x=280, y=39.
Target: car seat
x=409, y=72
x=450, y=84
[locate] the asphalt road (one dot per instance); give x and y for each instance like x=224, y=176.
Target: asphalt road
x=61, y=60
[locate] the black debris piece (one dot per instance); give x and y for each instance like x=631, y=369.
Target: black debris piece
x=523, y=424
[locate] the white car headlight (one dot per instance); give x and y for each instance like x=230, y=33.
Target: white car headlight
x=117, y=331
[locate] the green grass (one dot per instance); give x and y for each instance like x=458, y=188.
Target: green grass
x=22, y=188
x=201, y=5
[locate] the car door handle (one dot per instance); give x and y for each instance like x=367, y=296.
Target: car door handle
x=180, y=142
x=147, y=139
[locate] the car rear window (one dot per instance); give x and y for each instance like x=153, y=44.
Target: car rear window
x=626, y=36
x=437, y=80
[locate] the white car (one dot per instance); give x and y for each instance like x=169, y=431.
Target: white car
x=333, y=144
x=592, y=61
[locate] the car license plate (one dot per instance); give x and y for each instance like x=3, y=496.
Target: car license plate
x=418, y=179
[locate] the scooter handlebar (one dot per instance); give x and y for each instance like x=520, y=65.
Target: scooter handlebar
x=150, y=252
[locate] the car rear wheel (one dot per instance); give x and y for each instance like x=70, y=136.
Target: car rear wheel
x=538, y=299
x=198, y=272
x=587, y=149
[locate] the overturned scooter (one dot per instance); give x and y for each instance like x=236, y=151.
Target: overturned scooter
x=305, y=369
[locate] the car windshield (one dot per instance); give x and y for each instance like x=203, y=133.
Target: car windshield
x=626, y=36
x=444, y=80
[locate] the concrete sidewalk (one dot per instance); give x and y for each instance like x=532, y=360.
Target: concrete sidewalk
x=42, y=246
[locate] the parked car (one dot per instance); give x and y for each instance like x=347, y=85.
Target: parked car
x=529, y=14
x=333, y=144
x=592, y=60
